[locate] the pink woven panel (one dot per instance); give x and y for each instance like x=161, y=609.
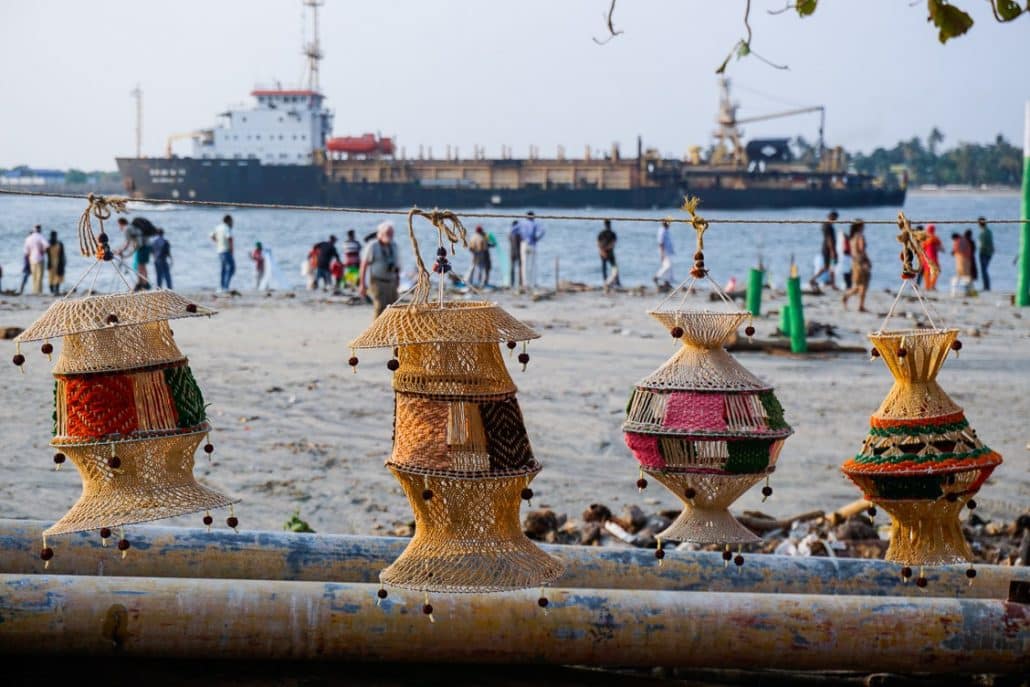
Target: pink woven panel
x=645, y=448
x=688, y=410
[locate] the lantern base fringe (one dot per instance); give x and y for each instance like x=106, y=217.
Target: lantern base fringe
x=468, y=537
x=706, y=518
x=926, y=532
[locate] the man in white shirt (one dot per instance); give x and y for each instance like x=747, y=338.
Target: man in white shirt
x=530, y=232
x=222, y=236
x=663, y=278
x=35, y=250
x=381, y=266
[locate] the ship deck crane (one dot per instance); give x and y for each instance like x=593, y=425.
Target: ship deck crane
x=181, y=137
x=821, y=109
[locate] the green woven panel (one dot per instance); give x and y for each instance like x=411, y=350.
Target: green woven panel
x=189, y=402
x=773, y=410
x=747, y=456
x=916, y=459
x=928, y=487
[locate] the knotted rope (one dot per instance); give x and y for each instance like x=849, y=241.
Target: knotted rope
x=100, y=207
x=698, y=271
x=448, y=226
x=911, y=249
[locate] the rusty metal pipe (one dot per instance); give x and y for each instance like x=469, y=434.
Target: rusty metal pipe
x=180, y=552
x=197, y=618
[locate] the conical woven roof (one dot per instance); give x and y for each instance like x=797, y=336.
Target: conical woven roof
x=449, y=322
x=75, y=316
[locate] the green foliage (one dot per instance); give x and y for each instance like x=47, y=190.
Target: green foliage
x=1007, y=10
x=999, y=162
x=296, y=524
x=950, y=20
x=805, y=7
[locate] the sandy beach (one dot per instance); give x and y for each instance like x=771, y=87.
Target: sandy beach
x=296, y=430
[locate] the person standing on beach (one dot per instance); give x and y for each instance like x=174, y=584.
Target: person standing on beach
x=35, y=253
x=479, y=248
x=963, y=253
x=531, y=233
x=380, y=267
x=351, y=259
x=26, y=272
x=136, y=246
x=55, y=263
x=974, y=273
x=606, y=240
x=861, y=266
x=223, y=240
x=931, y=249
x=325, y=253
x=986, y=251
x=844, y=261
x=258, y=257
x=162, y=251
x=828, y=249
x=515, y=255
x=663, y=278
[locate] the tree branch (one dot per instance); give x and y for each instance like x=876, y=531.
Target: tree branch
x=611, y=26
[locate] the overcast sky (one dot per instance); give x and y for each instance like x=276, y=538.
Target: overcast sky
x=467, y=72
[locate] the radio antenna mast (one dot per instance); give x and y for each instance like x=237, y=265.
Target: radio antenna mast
x=313, y=50
x=137, y=93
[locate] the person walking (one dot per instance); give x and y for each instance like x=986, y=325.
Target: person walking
x=380, y=268
x=223, y=240
x=162, y=252
x=515, y=256
x=325, y=253
x=963, y=253
x=986, y=251
x=974, y=273
x=606, y=240
x=844, y=261
x=479, y=248
x=663, y=278
x=55, y=263
x=135, y=245
x=260, y=266
x=531, y=234
x=351, y=259
x=35, y=252
x=828, y=250
x=931, y=249
x=861, y=266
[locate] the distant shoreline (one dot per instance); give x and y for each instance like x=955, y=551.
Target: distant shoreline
x=964, y=190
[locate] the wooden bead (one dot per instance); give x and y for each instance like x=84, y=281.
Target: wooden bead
x=971, y=504
x=47, y=553
x=738, y=560
x=47, y=348
x=208, y=520
x=427, y=609
x=952, y=496
x=427, y=494
x=542, y=602
x=18, y=359
x=971, y=573
x=112, y=319
x=871, y=511
x=726, y=555
x=766, y=491
x=209, y=448
x=114, y=462
x=105, y=532
x=749, y=331
x=921, y=582
x=906, y=572
x=124, y=545
x=382, y=594
x=191, y=308
x=875, y=353
x=902, y=352
x=677, y=332
x=59, y=458
x=690, y=492
x=641, y=483
x=512, y=345
x=527, y=494
x=523, y=358
x=393, y=364
x=232, y=521
x=353, y=361
x=659, y=554
x=956, y=345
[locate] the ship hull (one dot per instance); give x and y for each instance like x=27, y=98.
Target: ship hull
x=248, y=181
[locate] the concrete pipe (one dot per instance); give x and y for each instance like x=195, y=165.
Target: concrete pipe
x=249, y=619
x=178, y=552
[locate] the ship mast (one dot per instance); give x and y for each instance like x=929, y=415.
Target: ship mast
x=313, y=50
x=137, y=93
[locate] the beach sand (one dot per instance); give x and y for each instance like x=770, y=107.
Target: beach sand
x=296, y=430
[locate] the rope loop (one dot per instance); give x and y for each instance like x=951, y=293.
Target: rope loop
x=100, y=207
x=448, y=227
x=700, y=225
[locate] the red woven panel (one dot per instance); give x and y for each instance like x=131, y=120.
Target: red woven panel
x=100, y=406
x=693, y=411
x=645, y=448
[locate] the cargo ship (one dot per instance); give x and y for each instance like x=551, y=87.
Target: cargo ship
x=281, y=150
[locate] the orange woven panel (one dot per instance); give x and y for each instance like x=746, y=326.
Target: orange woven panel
x=100, y=407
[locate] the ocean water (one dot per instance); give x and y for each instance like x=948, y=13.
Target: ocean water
x=730, y=250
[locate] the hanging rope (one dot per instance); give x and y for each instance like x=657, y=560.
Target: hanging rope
x=100, y=207
x=449, y=227
x=911, y=249
x=493, y=215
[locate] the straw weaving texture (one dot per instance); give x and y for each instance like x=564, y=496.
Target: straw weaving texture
x=450, y=322
x=927, y=532
x=79, y=315
x=155, y=481
x=118, y=348
x=453, y=371
x=468, y=537
x=705, y=518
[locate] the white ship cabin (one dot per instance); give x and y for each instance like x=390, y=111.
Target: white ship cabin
x=286, y=127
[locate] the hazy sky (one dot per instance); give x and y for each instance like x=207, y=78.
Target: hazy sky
x=466, y=72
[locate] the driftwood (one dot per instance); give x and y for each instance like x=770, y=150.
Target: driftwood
x=760, y=524
x=779, y=345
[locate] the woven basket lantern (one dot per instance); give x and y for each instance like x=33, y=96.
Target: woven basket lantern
x=127, y=410
x=921, y=461
x=702, y=425
x=460, y=449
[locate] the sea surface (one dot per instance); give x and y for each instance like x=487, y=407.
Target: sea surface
x=569, y=246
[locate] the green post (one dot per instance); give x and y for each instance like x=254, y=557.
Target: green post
x=754, y=291
x=1023, y=280
x=798, y=342
x=785, y=320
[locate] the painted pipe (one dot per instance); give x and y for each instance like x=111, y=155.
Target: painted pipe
x=247, y=619
x=798, y=339
x=179, y=552
x=1023, y=279
x=785, y=319
x=754, y=291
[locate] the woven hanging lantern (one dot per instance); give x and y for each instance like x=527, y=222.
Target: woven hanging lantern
x=921, y=461
x=701, y=424
x=127, y=410
x=460, y=450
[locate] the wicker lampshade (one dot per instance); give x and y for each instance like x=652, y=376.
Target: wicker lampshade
x=127, y=410
x=460, y=449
